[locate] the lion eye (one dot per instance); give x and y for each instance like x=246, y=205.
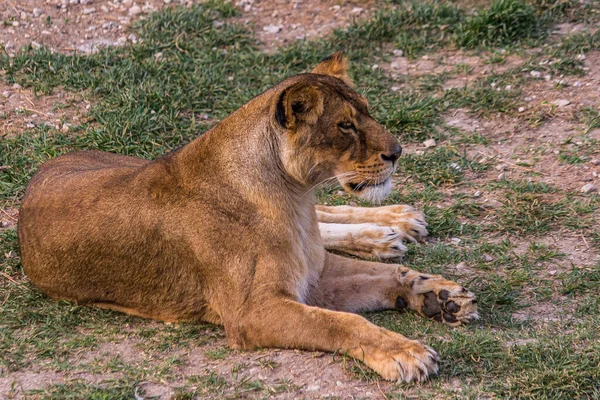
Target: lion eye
x=346, y=125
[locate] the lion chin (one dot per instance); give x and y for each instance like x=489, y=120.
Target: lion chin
x=374, y=193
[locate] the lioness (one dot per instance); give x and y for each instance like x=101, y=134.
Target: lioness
x=224, y=230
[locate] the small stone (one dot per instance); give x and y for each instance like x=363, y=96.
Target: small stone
x=561, y=102
x=398, y=64
x=536, y=74
x=455, y=241
x=461, y=265
x=521, y=109
x=132, y=38
x=135, y=10
x=429, y=143
x=272, y=28
x=30, y=125
x=107, y=25
x=477, y=194
x=552, y=272
x=35, y=45
x=375, y=67
x=396, y=88
x=85, y=2
x=336, y=7
x=37, y=12
x=15, y=23
x=589, y=188
x=501, y=167
x=508, y=87
x=16, y=86
x=89, y=10
x=501, y=177
x=398, y=53
x=3, y=224
x=357, y=10
x=528, y=99
x=488, y=258
x=23, y=15
x=455, y=166
x=581, y=57
x=594, y=174
x=595, y=161
x=419, y=152
x=493, y=203
x=167, y=1
x=577, y=84
x=339, y=383
x=547, y=77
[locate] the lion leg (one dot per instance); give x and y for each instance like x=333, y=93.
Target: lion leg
x=363, y=240
x=366, y=232
x=276, y=321
x=355, y=286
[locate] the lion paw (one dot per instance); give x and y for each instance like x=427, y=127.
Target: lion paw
x=404, y=219
x=439, y=299
x=404, y=360
x=380, y=242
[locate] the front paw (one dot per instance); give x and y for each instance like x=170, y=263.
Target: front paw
x=404, y=219
x=439, y=299
x=403, y=360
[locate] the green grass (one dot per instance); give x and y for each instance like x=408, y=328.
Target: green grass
x=186, y=74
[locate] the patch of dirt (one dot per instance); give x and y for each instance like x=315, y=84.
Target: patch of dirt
x=546, y=312
x=72, y=25
x=574, y=250
x=519, y=150
x=466, y=67
x=126, y=349
x=309, y=374
x=22, y=109
x=561, y=95
x=279, y=22
x=15, y=384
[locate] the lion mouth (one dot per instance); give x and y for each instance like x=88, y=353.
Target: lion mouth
x=373, y=192
x=359, y=187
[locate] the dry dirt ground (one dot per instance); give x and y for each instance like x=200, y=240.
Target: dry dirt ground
x=517, y=149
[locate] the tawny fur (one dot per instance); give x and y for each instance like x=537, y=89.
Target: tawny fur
x=224, y=230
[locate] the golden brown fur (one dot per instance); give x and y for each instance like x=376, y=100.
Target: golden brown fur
x=224, y=230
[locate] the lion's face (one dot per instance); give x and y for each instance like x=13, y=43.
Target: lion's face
x=331, y=135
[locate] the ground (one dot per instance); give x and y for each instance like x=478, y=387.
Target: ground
x=497, y=108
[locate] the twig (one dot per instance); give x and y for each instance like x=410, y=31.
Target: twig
x=8, y=215
x=11, y=279
x=37, y=112
x=381, y=391
x=585, y=241
x=177, y=43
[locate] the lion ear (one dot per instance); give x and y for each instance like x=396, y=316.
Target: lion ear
x=299, y=103
x=335, y=65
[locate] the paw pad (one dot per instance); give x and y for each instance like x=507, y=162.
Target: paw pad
x=439, y=308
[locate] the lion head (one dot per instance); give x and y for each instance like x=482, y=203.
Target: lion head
x=328, y=133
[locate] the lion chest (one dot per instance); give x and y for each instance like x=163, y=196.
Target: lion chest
x=309, y=257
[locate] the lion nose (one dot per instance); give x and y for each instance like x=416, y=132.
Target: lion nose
x=393, y=154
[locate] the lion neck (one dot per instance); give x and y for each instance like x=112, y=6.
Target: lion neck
x=243, y=151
